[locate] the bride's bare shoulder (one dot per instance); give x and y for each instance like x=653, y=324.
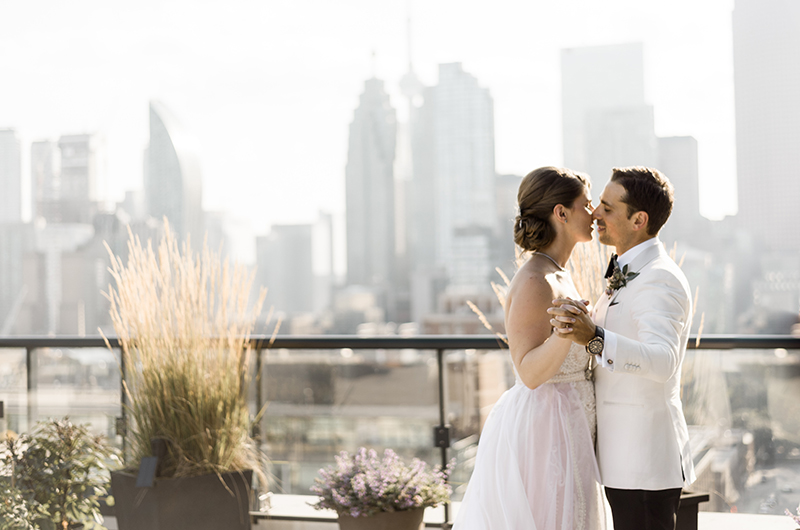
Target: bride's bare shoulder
x=530, y=294
x=532, y=283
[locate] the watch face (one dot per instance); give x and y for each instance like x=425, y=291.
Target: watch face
x=595, y=345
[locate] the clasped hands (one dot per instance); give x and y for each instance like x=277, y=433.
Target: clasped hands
x=571, y=320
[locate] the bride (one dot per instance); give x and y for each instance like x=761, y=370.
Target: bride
x=536, y=467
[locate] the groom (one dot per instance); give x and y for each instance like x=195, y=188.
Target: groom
x=638, y=332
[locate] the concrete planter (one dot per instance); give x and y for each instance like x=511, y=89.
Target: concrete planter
x=189, y=503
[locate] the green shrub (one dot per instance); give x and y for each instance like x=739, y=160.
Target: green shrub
x=54, y=474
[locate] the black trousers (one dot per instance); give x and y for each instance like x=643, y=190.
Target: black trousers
x=644, y=509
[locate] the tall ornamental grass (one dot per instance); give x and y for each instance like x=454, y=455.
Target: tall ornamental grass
x=183, y=321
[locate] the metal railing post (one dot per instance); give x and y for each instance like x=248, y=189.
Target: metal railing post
x=259, y=396
x=122, y=427
x=255, y=429
x=441, y=435
x=31, y=380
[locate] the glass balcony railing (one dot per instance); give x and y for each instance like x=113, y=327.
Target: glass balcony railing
x=428, y=397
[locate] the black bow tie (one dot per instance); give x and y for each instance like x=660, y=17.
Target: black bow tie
x=612, y=264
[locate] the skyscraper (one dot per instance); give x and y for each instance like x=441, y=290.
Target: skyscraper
x=606, y=122
x=454, y=179
x=766, y=51
x=408, y=121
x=285, y=268
x=16, y=240
x=45, y=178
x=421, y=207
x=64, y=177
x=10, y=177
x=12, y=233
x=79, y=172
x=369, y=181
x=677, y=159
x=173, y=183
x=507, y=187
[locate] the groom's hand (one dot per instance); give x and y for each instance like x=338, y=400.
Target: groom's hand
x=571, y=319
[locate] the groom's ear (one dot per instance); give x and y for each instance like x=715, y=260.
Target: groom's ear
x=640, y=220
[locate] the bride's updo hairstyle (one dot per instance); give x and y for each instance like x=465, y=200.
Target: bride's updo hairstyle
x=539, y=192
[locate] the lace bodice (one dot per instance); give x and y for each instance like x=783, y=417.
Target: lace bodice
x=575, y=370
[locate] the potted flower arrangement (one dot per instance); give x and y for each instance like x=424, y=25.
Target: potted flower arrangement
x=54, y=477
x=372, y=493
x=183, y=322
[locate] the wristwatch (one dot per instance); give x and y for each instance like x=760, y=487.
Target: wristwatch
x=597, y=343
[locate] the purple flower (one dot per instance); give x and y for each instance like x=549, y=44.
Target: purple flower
x=364, y=484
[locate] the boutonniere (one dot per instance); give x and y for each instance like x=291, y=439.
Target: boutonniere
x=619, y=278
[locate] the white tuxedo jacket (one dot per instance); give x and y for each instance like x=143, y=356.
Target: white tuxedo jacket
x=642, y=439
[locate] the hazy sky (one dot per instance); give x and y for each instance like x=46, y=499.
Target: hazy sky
x=268, y=88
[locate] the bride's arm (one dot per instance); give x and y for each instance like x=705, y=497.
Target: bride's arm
x=536, y=351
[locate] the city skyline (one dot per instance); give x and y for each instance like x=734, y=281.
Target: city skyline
x=269, y=90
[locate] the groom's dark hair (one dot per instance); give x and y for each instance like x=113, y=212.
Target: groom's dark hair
x=646, y=190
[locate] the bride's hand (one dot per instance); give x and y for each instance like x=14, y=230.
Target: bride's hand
x=571, y=318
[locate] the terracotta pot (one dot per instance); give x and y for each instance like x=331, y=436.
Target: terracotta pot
x=404, y=520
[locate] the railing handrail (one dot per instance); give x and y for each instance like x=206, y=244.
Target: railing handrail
x=394, y=342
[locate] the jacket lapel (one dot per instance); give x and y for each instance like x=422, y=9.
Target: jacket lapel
x=606, y=302
x=601, y=310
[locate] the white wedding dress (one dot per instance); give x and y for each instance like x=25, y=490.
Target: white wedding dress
x=536, y=467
